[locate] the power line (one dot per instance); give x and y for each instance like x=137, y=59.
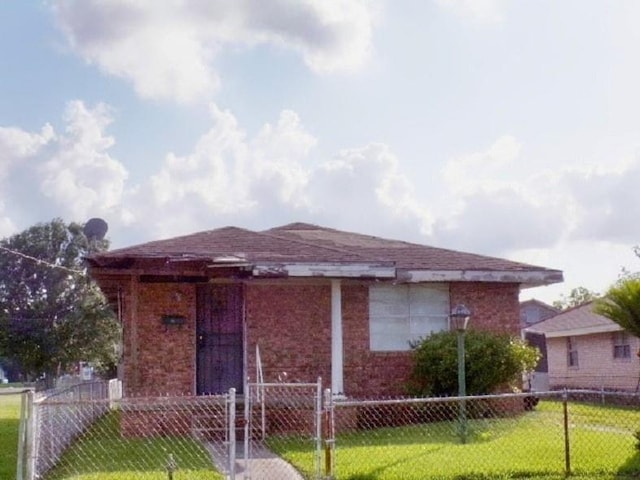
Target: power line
x=42, y=262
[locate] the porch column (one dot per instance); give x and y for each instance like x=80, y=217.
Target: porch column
x=337, y=386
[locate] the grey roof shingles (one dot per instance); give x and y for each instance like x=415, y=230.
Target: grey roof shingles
x=305, y=243
x=575, y=319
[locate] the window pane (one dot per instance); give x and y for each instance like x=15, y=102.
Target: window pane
x=399, y=314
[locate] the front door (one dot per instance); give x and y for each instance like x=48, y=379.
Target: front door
x=219, y=337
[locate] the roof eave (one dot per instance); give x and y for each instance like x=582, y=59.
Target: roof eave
x=333, y=270
x=574, y=332
x=526, y=278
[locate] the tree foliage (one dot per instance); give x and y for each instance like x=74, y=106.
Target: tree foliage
x=491, y=361
x=621, y=304
x=51, y=314
x=576, y=297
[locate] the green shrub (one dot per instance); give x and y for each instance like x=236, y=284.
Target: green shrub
x=491, y=361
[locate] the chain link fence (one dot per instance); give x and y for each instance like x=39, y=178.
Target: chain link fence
x=295, y=431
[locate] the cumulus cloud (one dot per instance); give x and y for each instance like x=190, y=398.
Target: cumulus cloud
x=17, y=144
x=81, y=176
x=276, y=177
x=71, y=174
x=365, y=188
x=168, y=49
x=493, y=208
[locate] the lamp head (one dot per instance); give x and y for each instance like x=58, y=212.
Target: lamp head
x=460, y=317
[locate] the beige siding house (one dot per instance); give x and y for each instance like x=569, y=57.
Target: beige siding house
x=587, y=350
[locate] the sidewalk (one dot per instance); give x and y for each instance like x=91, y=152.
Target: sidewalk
x=263, y=464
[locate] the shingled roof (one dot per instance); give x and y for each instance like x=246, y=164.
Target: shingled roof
x=580, y=320
x=301, y=249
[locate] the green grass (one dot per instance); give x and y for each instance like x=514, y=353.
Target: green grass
x=529, y=446
x=9, y=424
x=101, y=453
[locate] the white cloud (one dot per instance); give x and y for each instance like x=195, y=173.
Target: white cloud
x=365, y=189
x=17, y=144
x=480, y=11
x=167, y=49
x=275, y=178
x=494, y=208
x=81, y=178
x=484, y=170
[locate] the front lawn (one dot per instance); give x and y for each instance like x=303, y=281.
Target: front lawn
x=529, y=446
x=102, y=453
x=9, y=424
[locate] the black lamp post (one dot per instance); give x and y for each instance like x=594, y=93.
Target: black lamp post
x=459, y=320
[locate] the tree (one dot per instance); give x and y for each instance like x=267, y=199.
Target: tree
x=621, y=304
x=51, y=314
x=491, y=361
x=576, y=297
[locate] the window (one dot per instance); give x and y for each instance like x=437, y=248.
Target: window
x=621, y=345
x=572, y=352
x=399, y=314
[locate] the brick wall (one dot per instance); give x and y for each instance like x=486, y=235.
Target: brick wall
x=494, y=306
x=292, y=324
x=158, y=359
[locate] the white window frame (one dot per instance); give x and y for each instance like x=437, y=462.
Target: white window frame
x=401, y=314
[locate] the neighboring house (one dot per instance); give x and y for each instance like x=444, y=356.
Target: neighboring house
x=587, y=350
x=316, y=301
x=534, y=311
x=531, y=312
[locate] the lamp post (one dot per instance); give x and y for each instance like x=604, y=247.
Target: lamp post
x=459, y=320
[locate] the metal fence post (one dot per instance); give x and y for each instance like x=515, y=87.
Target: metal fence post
x=232, y=433
x=318, y=455
x=329, y=440
x=30, y=437
x=22, y=444
x=567, y=450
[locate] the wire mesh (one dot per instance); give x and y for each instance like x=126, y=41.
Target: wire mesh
x=500, y=436
x=287, y=431
x=283, y=429
x=161, y=437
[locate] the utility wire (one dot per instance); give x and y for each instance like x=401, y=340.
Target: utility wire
x=43, y=262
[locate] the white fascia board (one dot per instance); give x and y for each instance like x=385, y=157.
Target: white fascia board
x=337, y=270
x=526, y=278
x=575, y=332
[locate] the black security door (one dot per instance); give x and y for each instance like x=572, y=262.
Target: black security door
x=219, y=336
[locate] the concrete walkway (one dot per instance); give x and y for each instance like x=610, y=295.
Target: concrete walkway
x=263, y=464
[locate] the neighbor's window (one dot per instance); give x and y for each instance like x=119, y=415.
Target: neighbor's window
x=399, y=314
x=572, y=352
x=621, y=345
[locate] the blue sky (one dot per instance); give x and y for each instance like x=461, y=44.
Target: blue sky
x=498, y=127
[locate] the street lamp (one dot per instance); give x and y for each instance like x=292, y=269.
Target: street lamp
x=459, y=319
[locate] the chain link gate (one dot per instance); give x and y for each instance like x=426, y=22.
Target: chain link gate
x=282, y=419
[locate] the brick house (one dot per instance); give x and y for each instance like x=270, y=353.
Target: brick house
x=587, y=350
x=317, y=302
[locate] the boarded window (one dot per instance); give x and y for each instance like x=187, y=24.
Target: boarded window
x=572, y=352
x=621, y=345
x=399, y=314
